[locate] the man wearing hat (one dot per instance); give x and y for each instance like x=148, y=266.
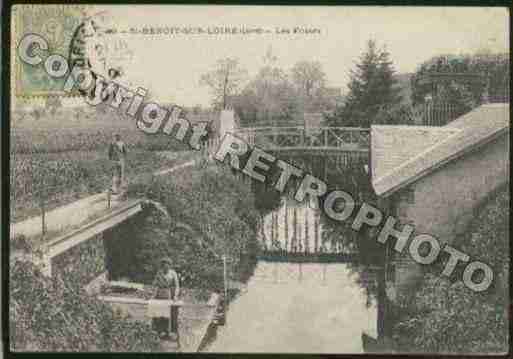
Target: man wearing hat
x=117, y=154
x=167, y=286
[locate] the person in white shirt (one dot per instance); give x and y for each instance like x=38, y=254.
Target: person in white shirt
x=167, y=286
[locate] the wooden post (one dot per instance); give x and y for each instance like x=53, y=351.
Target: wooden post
x=108, y=197
x=275, y=224
x=225, y=279
x=272, y=230
x=316, y=232
x=306, y=240
x=173, y=320
x=301, y=239
x=43, y=219
x=286, y=226
x=294, y=230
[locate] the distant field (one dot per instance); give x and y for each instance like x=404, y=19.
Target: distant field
x=26, y=141
x=65, y=131
x=57, y=159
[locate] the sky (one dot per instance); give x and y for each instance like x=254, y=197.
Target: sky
x=170, y=66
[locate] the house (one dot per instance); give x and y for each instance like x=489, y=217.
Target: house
x=435, y=177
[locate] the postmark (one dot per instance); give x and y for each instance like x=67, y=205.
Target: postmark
x=96, y=46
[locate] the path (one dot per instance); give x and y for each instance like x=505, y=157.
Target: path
x=76, y=213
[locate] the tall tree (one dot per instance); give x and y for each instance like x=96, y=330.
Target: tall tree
x=269, y=96
x=309, y=81
x=460, y=90
x=224, y=81
x=308, y=77
x=372, y=86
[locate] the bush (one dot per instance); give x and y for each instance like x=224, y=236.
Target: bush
x=494, y=66
x=212, y=214
x=55, y=314
x=446, y=316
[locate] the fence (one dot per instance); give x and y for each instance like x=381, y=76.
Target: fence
x=439, y=114
x=282, y=138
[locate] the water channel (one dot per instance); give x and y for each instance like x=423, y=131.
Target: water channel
x=299, y=307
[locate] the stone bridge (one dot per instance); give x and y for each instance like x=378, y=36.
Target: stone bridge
x=79, y=233
x=84, y=244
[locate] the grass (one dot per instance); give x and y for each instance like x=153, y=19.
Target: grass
x=58, y=158
x=76, y=174
x=91, y=131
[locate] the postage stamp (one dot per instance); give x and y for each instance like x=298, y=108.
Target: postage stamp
x=57, y=24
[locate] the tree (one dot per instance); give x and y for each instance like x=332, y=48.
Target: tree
x=467, y=81
x=309, y=81
x=308, y=77
x=224, y=81
x=460, y=91
x=269, y=96
x=212, y=214
x=56, y=314
x=372, y=86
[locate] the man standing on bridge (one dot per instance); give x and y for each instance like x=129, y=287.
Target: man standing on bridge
x=117, y=154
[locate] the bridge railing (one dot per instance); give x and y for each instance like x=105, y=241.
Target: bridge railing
x=300, y=137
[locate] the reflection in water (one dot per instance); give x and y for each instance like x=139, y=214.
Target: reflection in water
x=299, y=307
x=302, y=308
x=297, y=227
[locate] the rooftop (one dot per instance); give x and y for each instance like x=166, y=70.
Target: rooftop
x=401, y=155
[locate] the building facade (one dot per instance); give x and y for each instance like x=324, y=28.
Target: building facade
x=435, y=178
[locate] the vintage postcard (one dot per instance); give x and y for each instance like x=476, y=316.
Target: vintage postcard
x=258, y=179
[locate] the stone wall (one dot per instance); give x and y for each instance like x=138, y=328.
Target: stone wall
x=443, y=203
x=106, y=256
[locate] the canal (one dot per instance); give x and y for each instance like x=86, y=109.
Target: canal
x=320, y=309
x=299, y=307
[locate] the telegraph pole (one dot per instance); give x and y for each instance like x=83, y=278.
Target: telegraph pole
x=225, y=278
